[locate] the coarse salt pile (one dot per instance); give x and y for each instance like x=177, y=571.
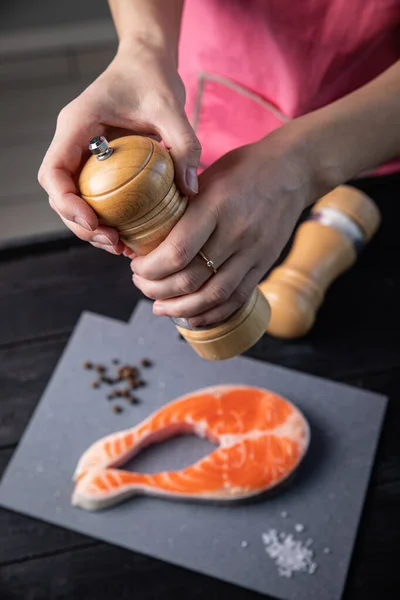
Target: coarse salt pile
x=290, y=555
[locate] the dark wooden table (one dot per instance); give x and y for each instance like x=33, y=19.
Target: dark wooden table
x=44, y=289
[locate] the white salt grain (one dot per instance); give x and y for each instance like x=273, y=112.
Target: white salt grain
x=284, y=514
x=265, y=537
x=290, y=555
x=244, y=544
x=299, y=528
x=327, y=550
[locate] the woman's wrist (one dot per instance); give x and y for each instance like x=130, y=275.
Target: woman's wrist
x=148, y=25
x=331, y=142
x=310, y=147
x=139, y=46
x=286, y=147
x=314, y=138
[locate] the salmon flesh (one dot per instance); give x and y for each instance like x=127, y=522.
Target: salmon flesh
x=261, y=438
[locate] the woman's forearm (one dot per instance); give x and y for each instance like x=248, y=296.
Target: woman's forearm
x=151, y=22
x=357, y=133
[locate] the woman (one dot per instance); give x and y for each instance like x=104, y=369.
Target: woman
x=288, y=100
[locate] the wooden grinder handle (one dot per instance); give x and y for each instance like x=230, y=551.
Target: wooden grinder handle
x=130, y=185
x=325, y=246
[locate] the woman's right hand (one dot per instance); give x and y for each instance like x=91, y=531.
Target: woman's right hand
x=141, y=93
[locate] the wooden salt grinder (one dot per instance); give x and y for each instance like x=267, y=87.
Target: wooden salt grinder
x=130, y=185
x=325, y=245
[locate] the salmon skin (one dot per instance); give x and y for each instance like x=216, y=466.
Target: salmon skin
x=261, y=437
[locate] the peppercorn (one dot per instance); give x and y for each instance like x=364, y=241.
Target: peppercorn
x=124, y=372
x=100, y=368
x=133, y=400
x=95, y=384
x=115, y=361
x=87, y=365
x=145, y=362
x=117, y=409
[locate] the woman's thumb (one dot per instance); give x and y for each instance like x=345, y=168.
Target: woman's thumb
x=185, y=149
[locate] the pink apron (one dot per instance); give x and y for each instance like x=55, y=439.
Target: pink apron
x=250, y=65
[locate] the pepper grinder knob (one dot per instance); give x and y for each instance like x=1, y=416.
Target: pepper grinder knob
x=100, y=148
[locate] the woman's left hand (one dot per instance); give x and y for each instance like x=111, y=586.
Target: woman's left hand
x=248, y=204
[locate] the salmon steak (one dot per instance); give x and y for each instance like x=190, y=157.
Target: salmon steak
x=261, y=438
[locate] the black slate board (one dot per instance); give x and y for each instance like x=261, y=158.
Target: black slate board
x=326, y=497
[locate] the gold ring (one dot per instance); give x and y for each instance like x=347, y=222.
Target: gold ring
x=209, y=262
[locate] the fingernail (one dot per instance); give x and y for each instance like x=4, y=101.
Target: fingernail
x=195, y=322
x=191, y=179
x=100, y=238
x=158, y=309
x=129, y=253
x=110, y=250
x=82, y=223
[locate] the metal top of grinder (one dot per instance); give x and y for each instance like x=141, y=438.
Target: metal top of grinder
x=100, y=148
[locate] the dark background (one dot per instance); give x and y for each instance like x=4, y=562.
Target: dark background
x=50, y=52
x=22, y=14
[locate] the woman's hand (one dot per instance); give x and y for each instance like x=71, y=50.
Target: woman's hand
x=247, y=207
x=140, y=92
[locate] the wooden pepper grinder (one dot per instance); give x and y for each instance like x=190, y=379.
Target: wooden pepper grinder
x=130, y=185
x=325, y=245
